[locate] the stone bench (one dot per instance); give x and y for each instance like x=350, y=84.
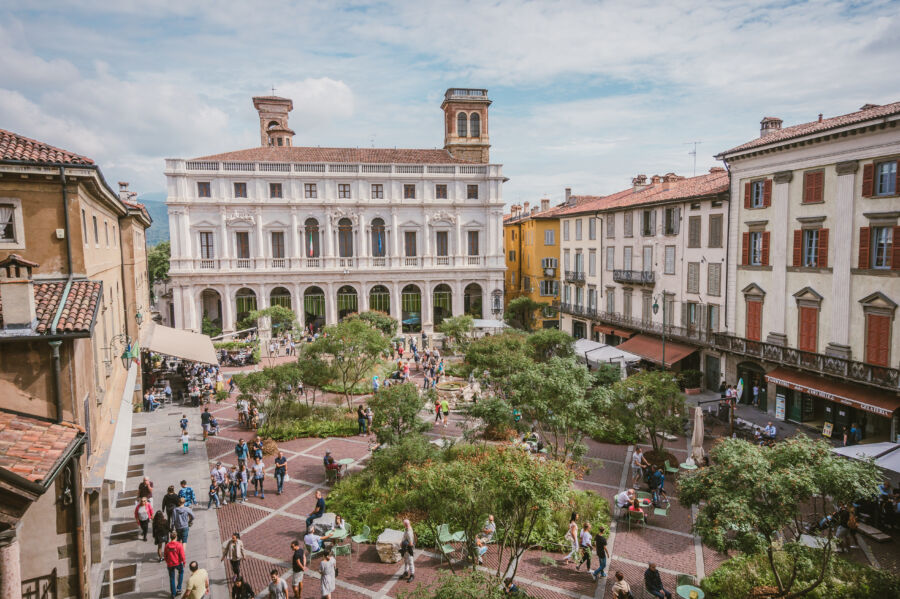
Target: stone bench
x=322, y=525
x=388, y=545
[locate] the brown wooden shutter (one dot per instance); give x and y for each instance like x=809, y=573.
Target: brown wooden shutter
x=878, y=339
x=807, y=187
x=765, y=248
x=809, y=320
x=767, y=193
x=864, y=244
x=746, y=195
x=868, y=185
x=798, y=247
x=823, y=248
x=754, y=320
x=745, y=249
x=895, y=249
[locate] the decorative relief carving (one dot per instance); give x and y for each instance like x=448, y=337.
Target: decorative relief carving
x=237, y=216
x=441, y=215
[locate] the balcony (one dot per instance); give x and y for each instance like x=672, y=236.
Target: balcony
x=379, y=262
x=243, y=262
x=209, y=263
x=346, y=263
x=473, y=260
x=411, y=261
x=314, y=263
x=639, y=277
x=442, y=260
x=279, y=262
x=575, y=276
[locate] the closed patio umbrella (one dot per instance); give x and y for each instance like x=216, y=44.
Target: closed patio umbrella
x=697, y=436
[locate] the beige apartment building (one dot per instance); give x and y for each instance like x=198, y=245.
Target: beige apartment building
x=660, y=242
x=814, y=270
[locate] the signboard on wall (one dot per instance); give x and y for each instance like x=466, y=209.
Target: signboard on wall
x=779, y=406
x=827, y=429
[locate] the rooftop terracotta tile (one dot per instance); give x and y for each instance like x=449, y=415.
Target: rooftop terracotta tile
x=17, y=452
x=18, y=147
x=339, y=155
x=76, y=315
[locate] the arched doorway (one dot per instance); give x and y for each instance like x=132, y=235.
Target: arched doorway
x=347, y=301
x=380, y=299
x=211, y=311
x=314, y=308
x=472, y=300
x=411, y=309
x=280, y=297
x=245, y=303
x=442, y=303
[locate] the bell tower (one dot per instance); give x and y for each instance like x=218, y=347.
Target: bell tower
x=466, y=124
x=273, y=120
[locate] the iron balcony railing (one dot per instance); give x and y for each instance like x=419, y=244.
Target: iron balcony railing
x=640, y=277
x=575, y=276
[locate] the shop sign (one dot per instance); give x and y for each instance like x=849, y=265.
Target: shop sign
x=829, y=396
x=779, y=406
x=827, y=429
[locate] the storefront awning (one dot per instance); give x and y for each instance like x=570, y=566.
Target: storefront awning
x=651, y=348
x=187, y=345
x=599, y=328
x=112, y=464
x=876, y=401
x=624, y=334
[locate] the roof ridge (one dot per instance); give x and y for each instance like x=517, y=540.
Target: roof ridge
x=41, y=144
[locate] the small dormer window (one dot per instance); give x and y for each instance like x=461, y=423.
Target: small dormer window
x=280, y=141
x=461, y=125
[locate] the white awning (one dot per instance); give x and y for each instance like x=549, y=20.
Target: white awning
x=179, y=343
x=487, y=323
x=594, y=353
x=886, y=455
x=112, y=465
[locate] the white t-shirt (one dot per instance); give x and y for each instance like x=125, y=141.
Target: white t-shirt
x=142, y=513
x=258, y=470
x=637, y=458
x=313, y=541
x=585, y=538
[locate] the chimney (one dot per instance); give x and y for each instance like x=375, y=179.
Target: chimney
x=124, y=194
x=820, y=117
x=545, y=204
x=568, y=194
x=769, y=125
x=534, y=210
x=716, y=169
x=869, y=106
x=17, y=291
x=639, y=182
x=655, y=180
x=525, y=207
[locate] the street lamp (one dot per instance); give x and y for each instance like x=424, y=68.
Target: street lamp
x=497, y=303
x=655, y=310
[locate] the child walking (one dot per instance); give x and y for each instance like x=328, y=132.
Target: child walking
x=184, y=441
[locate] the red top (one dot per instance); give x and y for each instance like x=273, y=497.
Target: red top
x=149, y=511
x=174, y=553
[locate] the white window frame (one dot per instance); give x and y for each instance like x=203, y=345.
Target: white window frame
x=610, y=259
x=549, y=237
x=18, y=240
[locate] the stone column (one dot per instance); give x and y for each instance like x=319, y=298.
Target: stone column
x=457, y=298
x=176, y=242
x=427, y=307
x=186, y=235
x=776, y=308
x=223, y=251
x=363, y=299
x=329, y=242
x=228, y=306
x=395, y=238
x=458, y=250
x=192, y=301
x=427, y=260
x=178, y=310
x=297, y=304
x=842, y=242
x=362, y=251
x=330, y=304
x=296, y=250
x=260, y=243
x=10, y=574
x=396, y=306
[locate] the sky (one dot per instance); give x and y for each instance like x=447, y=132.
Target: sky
x=586, y=94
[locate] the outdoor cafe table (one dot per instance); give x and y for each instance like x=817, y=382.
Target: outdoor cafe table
x=346, y=461
x=687, y=466
x=685, y=591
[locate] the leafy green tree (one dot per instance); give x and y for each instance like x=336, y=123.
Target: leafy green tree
x=753, y=499
x=158, y=262
x=491, y=418
x=353, y=348
x=280, y=317
x=381, y=321
x=497, y=357
x=548, y=343
x=458, y=330
x=396, y=412
x=520, y=312
x=606, y=374
x=468, y=585
x=555, y=395
x=315, y=372
x=211, y=328
x=652, y=401
x=273, y=389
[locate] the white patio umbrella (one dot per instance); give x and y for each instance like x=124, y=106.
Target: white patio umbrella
x=697, y=436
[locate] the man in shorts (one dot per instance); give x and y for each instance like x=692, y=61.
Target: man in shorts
x=204, y=420
x=298, y=567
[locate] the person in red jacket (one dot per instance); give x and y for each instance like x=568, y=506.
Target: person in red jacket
x=174, y=554
x=143, y=512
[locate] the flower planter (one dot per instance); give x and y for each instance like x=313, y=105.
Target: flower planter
x=692, y=391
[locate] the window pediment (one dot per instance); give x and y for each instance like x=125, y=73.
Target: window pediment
x=878, y=300
x=808, y=297
x=753, y=291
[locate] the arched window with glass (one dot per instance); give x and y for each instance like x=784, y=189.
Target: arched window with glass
x=280, y=296
x=245, y=303
x=442, y=300
x=380, y=299
x=347, y=301
x=411, y=306
x=475, y=125
x=311, y=238
x=314, y=308
x=345, y=238
x=472, y=300
x=379, y=239
x=461, y=124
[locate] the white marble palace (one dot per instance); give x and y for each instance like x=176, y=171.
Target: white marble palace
x=416, y=233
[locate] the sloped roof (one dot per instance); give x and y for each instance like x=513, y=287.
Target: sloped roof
x=30, y=447
x=686, y=188
x=77, y=315
x=18, y=147
x=551, y=212
x=818, y=126
x=338, y=155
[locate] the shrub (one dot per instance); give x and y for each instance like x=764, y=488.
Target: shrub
x=300, y=420
x=465, y=585
x=690, y=379
x=496, y=419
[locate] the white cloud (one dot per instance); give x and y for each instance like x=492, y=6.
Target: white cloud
x=318, y=102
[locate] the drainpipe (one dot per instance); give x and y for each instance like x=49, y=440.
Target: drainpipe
x=65, y=199
x=57, y=379
x=79, y=526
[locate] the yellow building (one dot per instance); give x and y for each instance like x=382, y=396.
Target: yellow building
x=531, y=240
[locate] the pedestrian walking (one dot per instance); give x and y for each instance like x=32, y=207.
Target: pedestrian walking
x=280, y=472
x=298, y=568
x=243, y=480
x=143, y=512
x=241, y=451
x=182, y=519
x=259, y=477
x=213, y=492
x=169, y=501
x=361, y=420
x=369, y=416
x=572, y=538
x=407, y=548
x=183, y=422
x=585, y=544
x=328, y=571
x=186, y=493
x=174, y=557
x=621, y=589
x=241, y=589
x=234, y=551
x=602, y=553
x=638, y=463
x=160, y=530
x=233, y=484
x=437, y=407
x=204, y=422
x=445, y=408
x=278, y=588
x=185, y=439
x=197, y=584
x=145, y=489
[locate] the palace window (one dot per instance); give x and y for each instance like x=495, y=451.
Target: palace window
x=344, y=190
x=309, y=190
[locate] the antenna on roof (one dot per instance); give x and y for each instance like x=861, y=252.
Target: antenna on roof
x=372, y=140
x=273, y=90
x=694, y=153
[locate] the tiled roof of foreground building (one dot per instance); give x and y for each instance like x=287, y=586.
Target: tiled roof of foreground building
x=18, y=147
x=30, y=447
x=77, y=313
x=339, y=155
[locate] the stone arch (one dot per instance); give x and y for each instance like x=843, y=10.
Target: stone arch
x=473, y=300
x=245, y=302
x=442, y=303
x=380, y=299
x=347, y=301
x=411, y=309
x=313, y=308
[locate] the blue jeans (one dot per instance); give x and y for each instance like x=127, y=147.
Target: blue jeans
x=172, y=569
x=213, y=498
x=182, y=534
x=310, y=519
x=279, y=480
x=232, y=492
x=602, y=566
x=243, y=491
x=663, y=594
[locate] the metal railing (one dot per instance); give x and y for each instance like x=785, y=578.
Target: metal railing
x=641, y=277
x=279, y=262
x=575, y=276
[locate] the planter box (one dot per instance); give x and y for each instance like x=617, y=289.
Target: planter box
x=695, y=391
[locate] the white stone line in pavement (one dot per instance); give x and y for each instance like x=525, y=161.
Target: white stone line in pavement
x=600, y=591
x=278, y=511
x=383, y=591
x=868, y=552
x=590, y=482
x=632, y=562
x=698, y=547
x=669, y=530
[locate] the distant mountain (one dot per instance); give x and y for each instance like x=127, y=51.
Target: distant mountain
x=156, y=206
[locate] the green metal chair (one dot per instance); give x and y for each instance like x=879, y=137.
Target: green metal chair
x=445, y=549
x=635, y=517
x=664, y=511
x=670, y=469
x=341, y=550
x=362, y=537
x=445, y=536
x=314, y=554
x=683, y=579
x=340, y=535
x=641, y=495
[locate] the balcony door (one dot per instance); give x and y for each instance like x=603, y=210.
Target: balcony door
x=627, y=263
x=242, y=245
